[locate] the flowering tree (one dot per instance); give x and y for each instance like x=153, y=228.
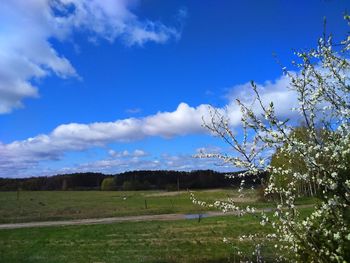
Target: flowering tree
x=321, y=83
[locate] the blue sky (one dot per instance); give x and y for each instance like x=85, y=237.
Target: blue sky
x=120, y=85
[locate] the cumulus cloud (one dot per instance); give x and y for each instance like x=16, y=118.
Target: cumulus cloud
x=75, y=136
x=277, y=91
x=78, y=137
x=27, y=27
x=183, y=121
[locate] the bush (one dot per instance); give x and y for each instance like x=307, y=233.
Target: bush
x=108, y=184
x=313, y=160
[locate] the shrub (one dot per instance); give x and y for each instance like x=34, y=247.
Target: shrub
x=317, y=161
x=108, y=184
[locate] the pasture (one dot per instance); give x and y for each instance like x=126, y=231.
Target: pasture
x=175, y=241
x=188, y=240
x=27, y=206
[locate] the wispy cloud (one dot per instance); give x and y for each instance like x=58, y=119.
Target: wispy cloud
x=26, y=53
x=125, y=153
x=133, y=110
x=210, y=149
x=119, y=164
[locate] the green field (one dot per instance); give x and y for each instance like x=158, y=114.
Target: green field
x=28, y=206
x=147, y=241
x=175, y=241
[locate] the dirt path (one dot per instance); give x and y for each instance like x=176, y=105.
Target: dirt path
x=109, y=220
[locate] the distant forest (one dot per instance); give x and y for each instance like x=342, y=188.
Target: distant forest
x=133, y=180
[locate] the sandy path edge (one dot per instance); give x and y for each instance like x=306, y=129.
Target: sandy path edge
x=109, y=220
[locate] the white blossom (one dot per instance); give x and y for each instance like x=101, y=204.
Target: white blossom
x=322, y=84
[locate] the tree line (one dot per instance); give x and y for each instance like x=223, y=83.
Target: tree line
x=131, y=180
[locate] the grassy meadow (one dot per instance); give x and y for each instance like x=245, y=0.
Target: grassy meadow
x=27, y=206
x=175, y=241
x=147, y=241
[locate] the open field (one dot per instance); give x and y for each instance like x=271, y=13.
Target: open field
x=27, y=206
x=175, y=241
x=144, y=241
x=149, y=241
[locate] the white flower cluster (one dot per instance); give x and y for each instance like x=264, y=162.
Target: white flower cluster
x=318, y=160
x=224, y=206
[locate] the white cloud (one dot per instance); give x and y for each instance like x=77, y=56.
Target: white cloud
x=183, y=121
x=125, y=153
x=164, y=162
x=27, y=26
x=210, y=149
x=77, y=137
x=276, y=91
x=139, y=153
